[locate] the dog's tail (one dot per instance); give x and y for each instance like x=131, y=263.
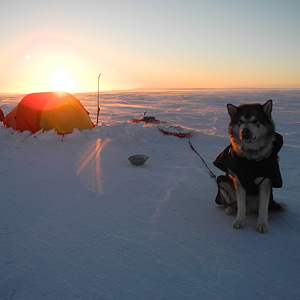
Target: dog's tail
x=277, y=206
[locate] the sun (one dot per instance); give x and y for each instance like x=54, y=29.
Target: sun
x=62, y=80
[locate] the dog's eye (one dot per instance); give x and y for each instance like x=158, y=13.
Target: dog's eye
x=255, y=121
x=240, y=122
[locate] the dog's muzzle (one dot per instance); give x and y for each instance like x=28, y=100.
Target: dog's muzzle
x=246, y=134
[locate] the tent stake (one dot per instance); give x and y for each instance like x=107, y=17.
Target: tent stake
x=98, y=108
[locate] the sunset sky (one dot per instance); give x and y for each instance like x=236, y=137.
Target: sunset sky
x=65, y=44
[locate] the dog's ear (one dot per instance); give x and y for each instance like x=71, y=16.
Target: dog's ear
x=231, y=109
x=267, y=107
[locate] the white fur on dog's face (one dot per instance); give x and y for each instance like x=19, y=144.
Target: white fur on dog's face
x=254, y=128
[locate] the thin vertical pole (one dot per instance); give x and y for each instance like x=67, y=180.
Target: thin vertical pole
x=98, y=107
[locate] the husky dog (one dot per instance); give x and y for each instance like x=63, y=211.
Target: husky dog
x=250, y=163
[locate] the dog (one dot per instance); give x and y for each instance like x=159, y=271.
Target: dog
x=251, y=164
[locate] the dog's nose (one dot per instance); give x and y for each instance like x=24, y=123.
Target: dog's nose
x=245, y=133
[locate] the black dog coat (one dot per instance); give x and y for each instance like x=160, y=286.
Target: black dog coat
x=248, y=170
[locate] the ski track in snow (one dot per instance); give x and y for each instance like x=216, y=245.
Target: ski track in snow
x=78, y=221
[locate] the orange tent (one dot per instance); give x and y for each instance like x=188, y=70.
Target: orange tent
x=58, y=110
x=1, y=115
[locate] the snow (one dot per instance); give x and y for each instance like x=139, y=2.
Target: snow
x=78, y=221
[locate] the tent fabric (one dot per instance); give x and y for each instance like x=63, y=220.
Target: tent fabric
x=1, y=115
x=59, y=110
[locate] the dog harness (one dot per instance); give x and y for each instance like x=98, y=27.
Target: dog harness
x=248, y=170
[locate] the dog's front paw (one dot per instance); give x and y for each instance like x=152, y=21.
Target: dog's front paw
x=238, y=224
x=262, y=227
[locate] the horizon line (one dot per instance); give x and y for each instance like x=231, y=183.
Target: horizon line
x=164, y=89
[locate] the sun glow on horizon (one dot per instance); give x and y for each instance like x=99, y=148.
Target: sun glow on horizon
x=62, y=80
x=210, y=44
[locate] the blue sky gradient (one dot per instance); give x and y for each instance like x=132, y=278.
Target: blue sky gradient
x=192, y=44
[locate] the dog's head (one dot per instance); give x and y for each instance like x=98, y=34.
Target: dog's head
x=250, y=124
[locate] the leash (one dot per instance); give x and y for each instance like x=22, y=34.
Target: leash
x=211, y=173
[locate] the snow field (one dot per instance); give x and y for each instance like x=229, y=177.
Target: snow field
x=78, y=221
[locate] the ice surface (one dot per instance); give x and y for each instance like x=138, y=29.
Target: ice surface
x=78, y=221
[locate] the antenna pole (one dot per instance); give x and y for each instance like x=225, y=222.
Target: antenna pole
x=98, y=107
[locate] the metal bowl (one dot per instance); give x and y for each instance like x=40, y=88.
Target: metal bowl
x=138, y=160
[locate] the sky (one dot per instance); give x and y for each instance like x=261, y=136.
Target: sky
x=66, y=44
